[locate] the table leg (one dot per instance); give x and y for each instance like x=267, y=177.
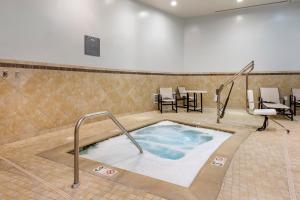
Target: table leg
x=195, y=101
x=201, y=103
x=188, y=103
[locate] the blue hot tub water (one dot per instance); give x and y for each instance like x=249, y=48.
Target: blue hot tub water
x=172, y=152
x=170, y=141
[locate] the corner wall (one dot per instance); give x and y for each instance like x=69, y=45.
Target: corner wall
x=138, y=37
x=52, y=31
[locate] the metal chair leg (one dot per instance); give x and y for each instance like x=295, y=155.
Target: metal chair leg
x=265, y=124
x=287, y=130
x=158, y=103
x=295, y=106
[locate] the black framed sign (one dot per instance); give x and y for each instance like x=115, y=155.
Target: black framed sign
x=91, y=46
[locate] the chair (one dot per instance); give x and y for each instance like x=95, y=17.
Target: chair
x=261, y=112
x=166, y=97
x=270, y=98
x=183, y=97
x=295, y=100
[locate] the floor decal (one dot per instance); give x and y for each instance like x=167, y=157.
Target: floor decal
x=219, y=161
x=105, y=171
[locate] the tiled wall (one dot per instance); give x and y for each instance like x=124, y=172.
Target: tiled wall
x=36, y=100
x=284, y=82
x=44, y=99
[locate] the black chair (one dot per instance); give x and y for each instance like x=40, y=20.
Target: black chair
x=182, y=96
x=166, y=97
x=270, y=98
x=295, y=100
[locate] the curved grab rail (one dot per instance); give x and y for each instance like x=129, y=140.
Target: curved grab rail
x=245, y=71
x=76, y=140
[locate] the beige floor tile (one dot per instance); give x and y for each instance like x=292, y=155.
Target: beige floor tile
x=258, y=169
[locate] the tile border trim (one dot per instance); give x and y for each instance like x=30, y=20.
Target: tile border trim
x=75, y=68
x=196, y=190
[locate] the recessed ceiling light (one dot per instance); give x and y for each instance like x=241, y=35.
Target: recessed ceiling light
x=174, y=3
x=239, y=18
x=239, y=1
x=143, y=14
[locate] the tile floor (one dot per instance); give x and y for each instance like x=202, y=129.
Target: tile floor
x=266, y=166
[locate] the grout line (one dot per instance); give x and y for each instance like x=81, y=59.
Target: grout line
x=291, y=184
x=47, y=184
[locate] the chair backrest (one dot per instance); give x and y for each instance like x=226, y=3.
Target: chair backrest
x=182, y=92
x=296, y=93
x=166, y=93
x=250, y=97
x=270, y=94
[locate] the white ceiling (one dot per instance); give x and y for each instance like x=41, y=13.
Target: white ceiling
x=191, y=8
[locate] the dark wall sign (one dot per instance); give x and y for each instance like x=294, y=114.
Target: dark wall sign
x=91, y=46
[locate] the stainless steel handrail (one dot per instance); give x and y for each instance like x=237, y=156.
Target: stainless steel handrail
x=76, y=140
x=245, y=71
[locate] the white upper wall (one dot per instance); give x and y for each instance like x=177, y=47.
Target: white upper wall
x=133, y=36
x=226, y=42
x=138, y=37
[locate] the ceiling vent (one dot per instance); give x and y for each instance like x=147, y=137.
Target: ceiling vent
x=257, y=5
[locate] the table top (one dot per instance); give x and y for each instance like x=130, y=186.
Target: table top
x=197, y=91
